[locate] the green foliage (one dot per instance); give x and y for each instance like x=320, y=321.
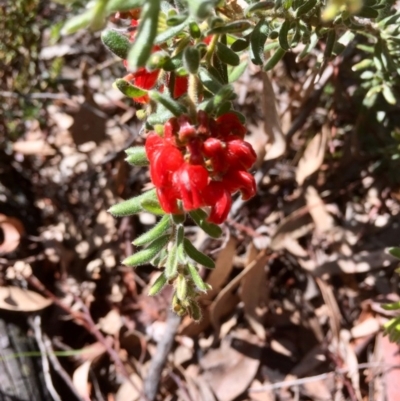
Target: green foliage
x=392, y=327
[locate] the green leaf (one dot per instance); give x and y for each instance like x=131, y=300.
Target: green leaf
x=123, y=5
x=226, y=55
x=283, y=35
x=395, y=251
x=128, y=89
x=197, y=256
x=232, y=27
x=158, y=285
x=157, y=231
x=194, y=29
x=157, y=60
x=199, y=217
x=161, y=117
x=259, y=6
x=153, y=206
x=201, y=9
x=170, y=104
x=209, y=81
x=306, y=7
x=196, y=278
x=330, y=43
x=236, y=72
x=137, y=156
x=116, y=42
x=78, y=22
x=257, y=41
x=274, y=59
x=146, y=34
x=181, y=287
x=191, y=59
x=240, y=45
x=170, y=32
x=146, y=255
x=171, y=266
x=388, y=94
x=131, y=206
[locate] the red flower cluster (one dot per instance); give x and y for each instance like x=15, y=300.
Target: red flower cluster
x=145, y=79
x=201, y=165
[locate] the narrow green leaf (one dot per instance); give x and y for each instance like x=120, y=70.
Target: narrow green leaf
x=146, y=255
x=123, y=5
x=194, y=29
x=197, y=256
x=170, y=32
x=330, y=43
x=257, y=41
x=274, y=59
x=78, y=22
x=283, y=35
x=171, y=266
x=137, y=156
x=197, y=280
x=158, y=285
x=131, y=206
x=226, y=55
x=201, y=9
x=232, y=27
x=306, y=7
x=159, y=117
x=116, y=42
x=153, y=206
x=199, y=217
x=170, y=104
x=259, y=6
x=240, y=45
x=157, y=231
x=191, y=59
x=144, y=39
x=209, y=81
x=128, y=89
x=181, y=287
x=194, y=310
x=395, y=251
x=388, y=94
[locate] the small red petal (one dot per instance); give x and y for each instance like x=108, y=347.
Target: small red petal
x=229, y=124
x=168, y=200
x=241, y=180
x=153, y=143
x=190, y=181
x=181, y=86
x=220, y=200
x=240, y=154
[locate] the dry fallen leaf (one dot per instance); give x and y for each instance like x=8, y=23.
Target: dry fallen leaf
x=12, y=230
x=313, y=156
x=127, y=392
x=254, y=294
x=316, y=207
x=20, y=300
x=227, y=299
x=276, y=145
x=80, y=378
x=230, y=369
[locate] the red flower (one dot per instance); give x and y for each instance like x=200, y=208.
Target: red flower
x=190, y=181
x=220, y=201
x=201, y=165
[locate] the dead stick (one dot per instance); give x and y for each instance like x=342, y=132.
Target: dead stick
x=152, y=381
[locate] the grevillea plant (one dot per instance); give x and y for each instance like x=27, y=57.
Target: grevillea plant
x=181, y=58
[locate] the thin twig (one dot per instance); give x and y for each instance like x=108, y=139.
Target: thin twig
x=57, y=367
x=36, y=325
x=152, y=381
